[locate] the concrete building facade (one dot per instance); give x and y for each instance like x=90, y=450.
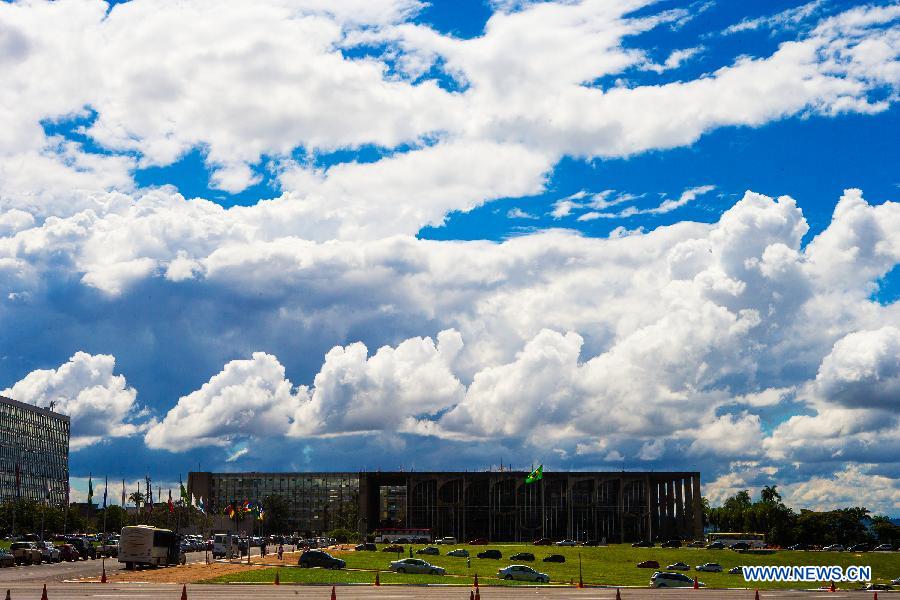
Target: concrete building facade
x=34, y=453
x=497, y=505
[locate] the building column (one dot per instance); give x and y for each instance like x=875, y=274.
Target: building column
x=698, y=507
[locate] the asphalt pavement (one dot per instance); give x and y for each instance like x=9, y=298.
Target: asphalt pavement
x=73, y=591
x=68, y=571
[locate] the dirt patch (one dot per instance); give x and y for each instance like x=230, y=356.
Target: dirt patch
x=197, y=571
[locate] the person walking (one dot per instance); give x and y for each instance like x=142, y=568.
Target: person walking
x=280, y=551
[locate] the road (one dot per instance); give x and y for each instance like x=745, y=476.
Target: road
x=68, y=571
x=73, y=591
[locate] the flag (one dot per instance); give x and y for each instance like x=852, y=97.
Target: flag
x=201, y=505
x=90, y=489
x=229, y=510
x=535, y=475
x=184, y=494
x=193, y=500
x=261, y=514
x=105, y=490
x=171, y=504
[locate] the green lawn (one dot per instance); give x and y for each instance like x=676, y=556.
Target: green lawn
x=611, y=565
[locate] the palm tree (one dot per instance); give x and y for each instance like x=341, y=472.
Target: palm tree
x=770, y=494
x=137, y=498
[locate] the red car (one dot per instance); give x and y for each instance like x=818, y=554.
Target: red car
x=542, y=542
x=478, y=542
x=648, y=564
x=68, y=552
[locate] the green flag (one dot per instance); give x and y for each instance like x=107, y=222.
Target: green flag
x=90, y=489
x=535, y=475
x=184, y=494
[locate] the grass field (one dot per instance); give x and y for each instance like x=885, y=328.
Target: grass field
x=610, y=565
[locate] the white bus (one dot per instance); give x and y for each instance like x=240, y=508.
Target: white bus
x=146, y=545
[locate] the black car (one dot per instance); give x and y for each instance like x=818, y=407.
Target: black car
x=798, y=547
x=671, y=544
x=740, y=546
x=526, y=556
x=858, y=548
x=592, y=543
x=717, y=545
x=643, y=544
x=557, y=558
x=320, y=558
x=85, y=549
x=367, y=547
x=495, y=554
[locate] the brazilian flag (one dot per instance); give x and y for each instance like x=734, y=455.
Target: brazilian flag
x=535, y=475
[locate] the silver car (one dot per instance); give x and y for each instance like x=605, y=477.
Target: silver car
x=522, y=573
x=459, y=552
x=663, y=580
x=709, y=567
x=416, y=565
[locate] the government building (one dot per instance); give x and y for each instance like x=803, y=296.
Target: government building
x=496, y=505
x=34, y=453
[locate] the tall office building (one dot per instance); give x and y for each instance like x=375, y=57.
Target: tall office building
x=34, y=453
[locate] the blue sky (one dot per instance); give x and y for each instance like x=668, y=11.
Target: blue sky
x=355, y=237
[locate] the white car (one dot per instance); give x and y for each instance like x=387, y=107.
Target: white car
x=663, y=580
x=49, y=553
x=567, y=543
x=895, y=581
x=459, y=552
x=833, y=548
x=522, y=573
x=709, y=567
x=446, y=541
x=415, y=565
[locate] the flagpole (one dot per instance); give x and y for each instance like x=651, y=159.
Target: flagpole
x=105, y=490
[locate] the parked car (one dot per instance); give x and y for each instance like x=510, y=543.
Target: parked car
x=49, y=553
x=555, y=558
x=85, y=549
x=663, y=580
x=883, y=548
x=679, y=566
x=522, y=573
x=648, y=564
x=736, y=570
x=717, y=545
x=526, y=556
x=320, y=558
x=415, y=565
x=67, y=552
x=25, y=553
x=895, y=581
x=6, y=559
x=643, y=544
x=566, y=543
x=462, y=552
x=798, y=547
x=393, y=548
x=542, y=542
x=492, y=554
x=446, y=541
x=478, y=542
x=592, y=543
x=740, y=546
x=858, y=548
x=878, y=587
x=833, y=548
x=709, y=567
x=366, y=547
x=697, y=544
x=671, y=544
x=432, y=550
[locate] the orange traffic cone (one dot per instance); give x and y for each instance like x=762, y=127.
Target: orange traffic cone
x=696, y=584
x=757, y=595
x=183, y=592
x=377, y=578
x=618, y=595
x=44, y=593
x=832, y=588
x=876, y=595
x=476, y=581
x=277, y=579
x=333, y=594
x=477, y=594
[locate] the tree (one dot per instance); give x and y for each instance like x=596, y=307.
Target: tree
x=770, y=494
x=277, y=514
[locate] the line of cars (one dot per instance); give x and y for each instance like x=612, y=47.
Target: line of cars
x=72, y=548
x=313, y=558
